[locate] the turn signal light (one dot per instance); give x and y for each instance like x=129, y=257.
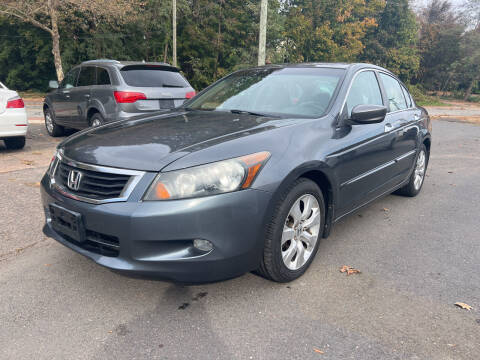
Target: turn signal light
x=128, y=97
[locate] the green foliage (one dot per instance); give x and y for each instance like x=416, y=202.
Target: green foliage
x=25, y=56
x=218, y=37
x=393, y=43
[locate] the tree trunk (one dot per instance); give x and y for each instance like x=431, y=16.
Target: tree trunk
x=262, y=38
x=174, y=29
x=469, y=89
x=165, y=52
x=57, y=58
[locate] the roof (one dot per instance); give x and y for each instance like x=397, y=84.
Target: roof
x=122, y=63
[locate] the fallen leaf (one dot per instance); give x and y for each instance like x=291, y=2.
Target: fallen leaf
x=48, y=264
x=318, y=351
x=27, y=162
x=463, y=306
x=452, y=345
x=386, y=210
x=349, y=270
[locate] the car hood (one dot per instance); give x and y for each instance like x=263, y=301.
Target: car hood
x=150, y=143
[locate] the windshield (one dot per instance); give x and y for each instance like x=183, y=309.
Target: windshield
x=280, y=91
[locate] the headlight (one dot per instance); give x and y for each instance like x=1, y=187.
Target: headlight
x=215, y=178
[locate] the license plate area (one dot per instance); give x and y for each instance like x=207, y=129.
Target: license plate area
x=67, y=222
x=166, y=104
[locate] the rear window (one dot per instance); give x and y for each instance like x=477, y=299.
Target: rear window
x=152, y=76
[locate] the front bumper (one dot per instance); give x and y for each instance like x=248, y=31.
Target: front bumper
x=156, y=237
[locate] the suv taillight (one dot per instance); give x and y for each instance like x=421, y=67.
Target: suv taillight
x=123, y=97
x=190, y=94
x=15, y=103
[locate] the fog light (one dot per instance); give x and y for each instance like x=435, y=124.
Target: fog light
x=203, y=245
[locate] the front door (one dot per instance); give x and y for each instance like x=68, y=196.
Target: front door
x=363, y=161
x=61, y=99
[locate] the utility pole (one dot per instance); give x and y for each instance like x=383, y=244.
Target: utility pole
x=174, y=31
x=262, y=39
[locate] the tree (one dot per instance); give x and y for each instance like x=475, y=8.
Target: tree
x=328, y=30
x=393, y=43
x=262, y=38
x=48, y=15
x=439, y=43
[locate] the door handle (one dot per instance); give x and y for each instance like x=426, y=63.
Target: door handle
x=388, y=127
x=87, y=96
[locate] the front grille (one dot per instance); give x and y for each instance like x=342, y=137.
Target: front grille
x=98, y=243
x=93, y=184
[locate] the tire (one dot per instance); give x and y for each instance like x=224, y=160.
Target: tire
x=414, y=185
x=15, y=143
x=52, y=127
x=97, y=120
x=276, y=255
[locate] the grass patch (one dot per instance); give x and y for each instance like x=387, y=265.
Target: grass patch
x=431, y=101
x=31, y=94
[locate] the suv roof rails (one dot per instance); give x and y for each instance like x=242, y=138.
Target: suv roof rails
x=100, y=60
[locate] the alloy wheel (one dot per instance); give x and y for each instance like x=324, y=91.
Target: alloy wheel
x=300, y=232
x=419, y=170
x=49, y=122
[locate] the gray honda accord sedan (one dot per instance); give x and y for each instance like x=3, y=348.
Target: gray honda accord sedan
x=248, y=175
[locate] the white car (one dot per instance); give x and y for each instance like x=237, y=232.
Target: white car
x=13, y=119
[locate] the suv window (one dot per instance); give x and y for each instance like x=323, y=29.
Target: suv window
x=364, y=91
x=87, y=76
x=396, y=99
x=70, y=79
x=102, y=77
x=153, y=76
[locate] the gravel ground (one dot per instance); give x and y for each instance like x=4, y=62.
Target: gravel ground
x=417, y=256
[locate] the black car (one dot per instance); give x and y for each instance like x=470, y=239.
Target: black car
x=99, y=91
x=248, y=175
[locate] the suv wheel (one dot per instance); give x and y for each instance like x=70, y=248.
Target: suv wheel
x=15, y=143
x=292, y=236
x=96, y=120
x=52, y=128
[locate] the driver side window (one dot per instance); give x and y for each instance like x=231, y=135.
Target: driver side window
x=364, y=91
x=70, y=79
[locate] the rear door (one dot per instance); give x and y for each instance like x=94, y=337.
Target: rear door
x=164, y=87
x=81, y=96
x=400, y=122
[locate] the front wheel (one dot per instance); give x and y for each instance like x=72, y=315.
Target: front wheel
x=292, y=236
x=415, y=181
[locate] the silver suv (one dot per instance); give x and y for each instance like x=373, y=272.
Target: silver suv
x=99, y=91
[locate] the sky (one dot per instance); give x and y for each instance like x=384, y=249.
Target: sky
x=422, y=3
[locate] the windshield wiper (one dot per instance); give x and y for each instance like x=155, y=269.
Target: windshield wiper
x=236, y=111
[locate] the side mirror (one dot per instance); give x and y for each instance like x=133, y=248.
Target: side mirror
x=368, y=114
x=53, y=84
